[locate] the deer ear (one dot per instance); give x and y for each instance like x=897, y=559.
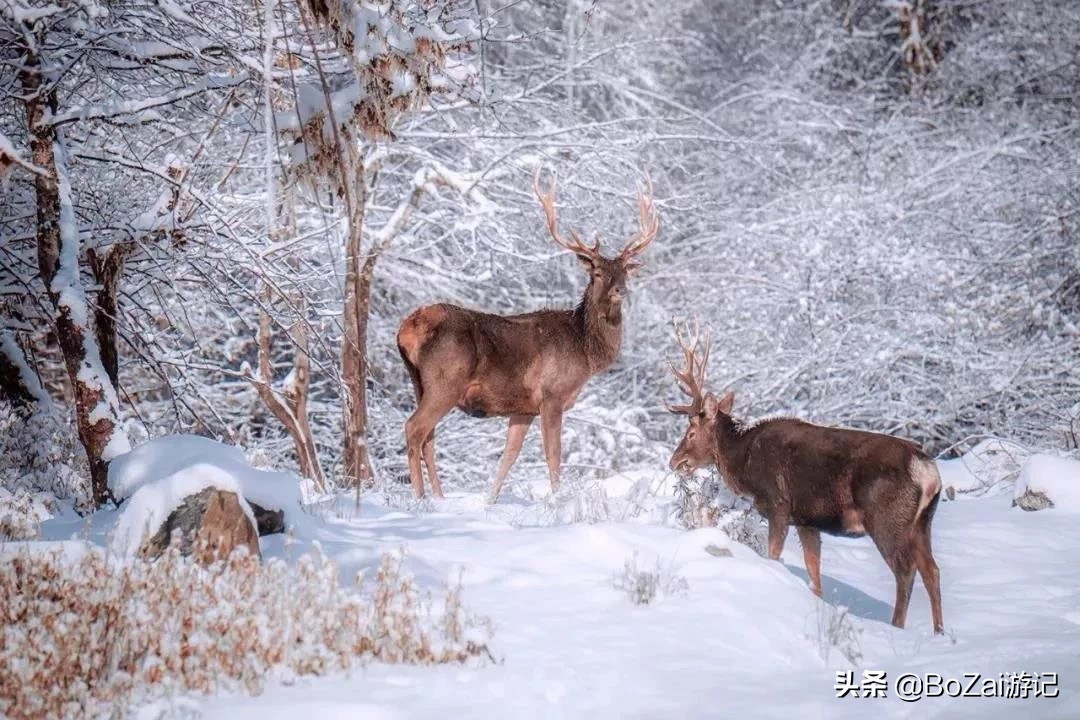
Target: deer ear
x=727, y=402
x=587, y=261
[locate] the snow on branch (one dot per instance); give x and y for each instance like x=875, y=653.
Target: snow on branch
x=9, y=158
x=427, y=180
x=397, y=56
x=71, y=300
x=27, y=381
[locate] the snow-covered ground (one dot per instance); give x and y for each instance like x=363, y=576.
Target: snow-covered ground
x=744, y=638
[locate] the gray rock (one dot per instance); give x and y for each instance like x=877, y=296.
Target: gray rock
x=1033, y=500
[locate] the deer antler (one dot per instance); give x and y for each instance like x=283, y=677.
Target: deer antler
x=547, y=201
x=691, y=381
x=648, y=225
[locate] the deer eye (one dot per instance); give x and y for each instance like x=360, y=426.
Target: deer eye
x=690, y=435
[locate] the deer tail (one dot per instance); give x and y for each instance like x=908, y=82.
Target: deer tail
x=924, y=474
x=414, y=373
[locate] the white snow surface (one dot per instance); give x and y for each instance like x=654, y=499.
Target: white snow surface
x=1057, y=477
x=742, y=641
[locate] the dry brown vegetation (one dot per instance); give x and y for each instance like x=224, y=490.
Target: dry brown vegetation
x=94, y=633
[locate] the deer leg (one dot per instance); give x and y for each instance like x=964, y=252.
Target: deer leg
x=428, y=452
x=903, y=568
x=416, y=474
x=811, y=544
x=551, y=430
x=418, y=427
x=778, y=528
x=928, y=569
x=515, y=436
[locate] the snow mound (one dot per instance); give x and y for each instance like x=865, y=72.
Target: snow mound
x=171, y=456
x=1058, y=478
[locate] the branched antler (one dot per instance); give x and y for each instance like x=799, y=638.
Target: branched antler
x=691, y=380
x=547, y=201
x=648, y=225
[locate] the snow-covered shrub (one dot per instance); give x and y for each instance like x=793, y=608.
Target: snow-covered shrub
x=576, y=501
x=746, y=526
x=644, y=587
x=700, y=500
x=40, y=464
x=705, y=501
x=40, y=453
x=835, y=629
x=86, y=632
x=989, y=467
x=21, y=513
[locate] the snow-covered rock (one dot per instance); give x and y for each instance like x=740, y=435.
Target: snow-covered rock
x=1055, y=478
x=154, y=479
x=153, y=502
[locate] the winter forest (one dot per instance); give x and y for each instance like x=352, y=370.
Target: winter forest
x=217, y=220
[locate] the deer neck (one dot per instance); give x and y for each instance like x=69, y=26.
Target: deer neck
x=600, y=330
x=731, y=451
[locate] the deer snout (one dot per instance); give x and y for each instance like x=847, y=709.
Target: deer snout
x=678, y=464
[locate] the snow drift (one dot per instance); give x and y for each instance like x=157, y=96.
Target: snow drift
x=1056, y=477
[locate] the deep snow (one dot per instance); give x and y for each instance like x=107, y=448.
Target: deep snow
x=743, y=640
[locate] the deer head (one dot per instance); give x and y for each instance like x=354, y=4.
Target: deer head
x=607, y=275
x=698, y=445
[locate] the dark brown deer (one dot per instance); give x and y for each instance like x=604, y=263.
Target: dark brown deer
x=518, y=366
x=839, y=481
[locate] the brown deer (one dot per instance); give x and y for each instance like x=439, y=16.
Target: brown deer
x=840, y=481
x=518, y=366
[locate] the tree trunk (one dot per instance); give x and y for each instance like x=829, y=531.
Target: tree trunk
x=107, y=270
x=96, y=404
x=354, y=370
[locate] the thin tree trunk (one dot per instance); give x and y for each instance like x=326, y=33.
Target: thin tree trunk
x=96, y=404
x=357, y=315
x=291, y=412
x=107, y=270
x=354, y=370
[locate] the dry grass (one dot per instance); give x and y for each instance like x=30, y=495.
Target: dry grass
x=645, y=587
x=92, y=634
x=836, y=629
